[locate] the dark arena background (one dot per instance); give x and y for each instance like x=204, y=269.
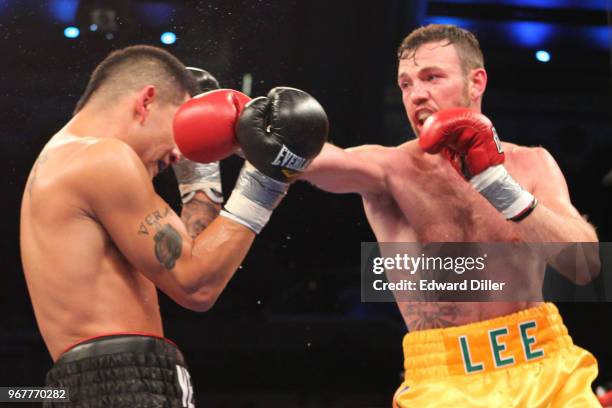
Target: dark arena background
x=290, y=329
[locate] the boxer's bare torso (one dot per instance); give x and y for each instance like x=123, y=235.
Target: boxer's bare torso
x=422, y=206
x=79, y=282
x=424, y=200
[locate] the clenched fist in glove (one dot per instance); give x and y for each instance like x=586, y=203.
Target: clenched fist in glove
x=469, y=141
x=279, y=135
x=204, y=126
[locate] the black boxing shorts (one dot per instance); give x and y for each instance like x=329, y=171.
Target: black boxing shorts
x=123, y=370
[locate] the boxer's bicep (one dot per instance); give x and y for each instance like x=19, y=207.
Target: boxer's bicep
x=192, y=272
x=141, y=224
x=353, y=170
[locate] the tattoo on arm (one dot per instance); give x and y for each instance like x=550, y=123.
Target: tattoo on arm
x=197, y=214
x=168, y=241
x=152, y=221
x=168, y=244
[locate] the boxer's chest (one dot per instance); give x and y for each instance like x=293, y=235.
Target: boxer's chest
x=438, y=205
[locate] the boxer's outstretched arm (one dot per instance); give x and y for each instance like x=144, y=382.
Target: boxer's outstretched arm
x=353, y=170
x=153, y=238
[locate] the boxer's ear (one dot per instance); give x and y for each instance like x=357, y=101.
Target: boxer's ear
x=145, y=97
x=477, y=83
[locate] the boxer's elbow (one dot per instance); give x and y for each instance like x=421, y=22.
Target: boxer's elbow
x=202, y=302
x=201, y=299
x=196, y=292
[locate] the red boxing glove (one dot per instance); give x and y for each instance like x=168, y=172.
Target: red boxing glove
x=469, y=141
x=204, y=126
x=467, y=138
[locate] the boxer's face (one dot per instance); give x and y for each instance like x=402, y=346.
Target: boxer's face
x=431, y=79
x=159, y=149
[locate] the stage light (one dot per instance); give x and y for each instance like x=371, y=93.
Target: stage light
x=63, y=11
x=542, y=56
x=168, y=38
x=71, y=32
x=601, y=36
x=531, y=33
x=545, y=4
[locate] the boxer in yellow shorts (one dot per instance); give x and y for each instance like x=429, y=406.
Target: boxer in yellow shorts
x=525, y=359
x=458, y=183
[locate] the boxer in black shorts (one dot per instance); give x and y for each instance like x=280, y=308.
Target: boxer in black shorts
x=97, y=241
x=124, y=370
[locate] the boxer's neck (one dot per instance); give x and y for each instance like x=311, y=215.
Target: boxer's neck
x=112, y=122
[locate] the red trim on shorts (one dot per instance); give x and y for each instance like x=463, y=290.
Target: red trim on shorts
x=118, y=334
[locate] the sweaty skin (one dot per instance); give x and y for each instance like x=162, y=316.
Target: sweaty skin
x=411, y=207
x=67, y=252
x=411, y=196
x=96, y=240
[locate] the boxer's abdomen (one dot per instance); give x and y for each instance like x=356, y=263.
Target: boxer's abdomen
x=428, y=202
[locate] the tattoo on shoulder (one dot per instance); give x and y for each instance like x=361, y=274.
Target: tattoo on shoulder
x=40, y=161
x=433, y=315
x=168, y=241
x=168, y=244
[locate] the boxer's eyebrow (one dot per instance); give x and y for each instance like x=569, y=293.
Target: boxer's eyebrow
x=428, y=69
x=404, y=76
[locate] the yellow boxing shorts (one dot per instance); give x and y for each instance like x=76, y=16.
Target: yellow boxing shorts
x=525, y=359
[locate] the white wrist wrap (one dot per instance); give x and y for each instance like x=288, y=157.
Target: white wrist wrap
x=193, y=177
x=503, y=192
x=254, y=198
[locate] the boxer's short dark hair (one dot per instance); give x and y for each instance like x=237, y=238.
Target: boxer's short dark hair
x=131, y=68
x=465, y=43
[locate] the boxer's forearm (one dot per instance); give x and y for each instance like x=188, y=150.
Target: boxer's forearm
x=544, y=225
x=345, y=171
x=198, y=213
x=326, y=170
x=215, y=256
x=578, y=262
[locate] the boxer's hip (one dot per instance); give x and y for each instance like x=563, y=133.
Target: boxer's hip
x=486, y=346
x=123, y=370
x=522, y=359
